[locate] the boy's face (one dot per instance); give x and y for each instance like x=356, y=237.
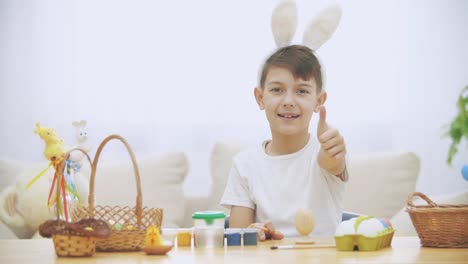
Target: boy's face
x=288, y=102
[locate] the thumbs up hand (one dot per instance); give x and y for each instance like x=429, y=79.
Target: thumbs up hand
x=332, y=146
x=322, y=126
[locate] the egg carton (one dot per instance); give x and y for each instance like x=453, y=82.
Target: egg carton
x=363, y=243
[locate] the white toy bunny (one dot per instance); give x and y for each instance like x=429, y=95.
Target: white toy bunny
x=76, y=158
x=81, y=136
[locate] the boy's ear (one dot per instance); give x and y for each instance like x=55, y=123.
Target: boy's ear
x=320, y=100
x=258, y=93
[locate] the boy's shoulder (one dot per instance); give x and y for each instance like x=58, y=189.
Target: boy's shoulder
x=249, y=154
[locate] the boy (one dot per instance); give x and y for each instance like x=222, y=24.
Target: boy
x=269, y=183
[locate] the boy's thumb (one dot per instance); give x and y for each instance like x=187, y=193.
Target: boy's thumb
x=322, y=123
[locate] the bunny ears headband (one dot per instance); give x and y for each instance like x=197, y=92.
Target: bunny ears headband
x=319, y=30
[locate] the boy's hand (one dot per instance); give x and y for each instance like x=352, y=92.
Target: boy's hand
x=267, y=231
x=332, y=146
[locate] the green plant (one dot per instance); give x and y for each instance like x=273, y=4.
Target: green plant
x=458, y=128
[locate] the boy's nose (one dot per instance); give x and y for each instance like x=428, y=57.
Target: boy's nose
x=289, y=100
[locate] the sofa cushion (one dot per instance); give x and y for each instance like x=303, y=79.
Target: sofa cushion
x=6, y=233
x=161, y=178
x=379, y=183
x=371, y=188
x=221, y=161
x=402, y=222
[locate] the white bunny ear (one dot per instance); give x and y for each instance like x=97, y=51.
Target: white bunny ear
x=322, y=27
x=83, y=123
x=283, y=22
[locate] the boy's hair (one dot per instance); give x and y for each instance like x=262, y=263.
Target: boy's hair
x=298, y=59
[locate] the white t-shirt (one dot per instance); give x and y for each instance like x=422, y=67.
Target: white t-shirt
x=277, y=186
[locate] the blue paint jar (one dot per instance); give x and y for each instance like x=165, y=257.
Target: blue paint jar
x=233, y=236
x=250, y=236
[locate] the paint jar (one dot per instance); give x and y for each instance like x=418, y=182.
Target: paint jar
x=169, y=234
x=209, y=237
x=209, y=228
x=250, y=236
x=233, y=236
x=184, y=237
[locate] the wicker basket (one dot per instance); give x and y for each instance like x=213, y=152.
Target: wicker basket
x=75, y=239
x=74, y=246
x=439, y=225
x=138, y=218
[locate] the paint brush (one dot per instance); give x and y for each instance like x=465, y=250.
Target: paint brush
x=303, y=246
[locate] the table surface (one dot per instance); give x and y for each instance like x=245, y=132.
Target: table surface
x=402, y=250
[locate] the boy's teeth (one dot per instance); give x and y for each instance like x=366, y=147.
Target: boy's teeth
x=288, y=116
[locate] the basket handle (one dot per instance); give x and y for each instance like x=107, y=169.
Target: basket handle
x=61, y=167
x=423, y=196
x=135, y=170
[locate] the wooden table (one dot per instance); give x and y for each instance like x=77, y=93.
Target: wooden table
x=403, y=250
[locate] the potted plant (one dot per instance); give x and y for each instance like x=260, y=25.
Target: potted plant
x=458, y=129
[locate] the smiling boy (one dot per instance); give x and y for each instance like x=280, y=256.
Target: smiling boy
x=267, y=184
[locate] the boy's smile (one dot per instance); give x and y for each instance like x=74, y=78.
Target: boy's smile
x=288, y=102
x=288, y=115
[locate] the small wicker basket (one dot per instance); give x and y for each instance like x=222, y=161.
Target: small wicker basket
x=75, y=239
x=74, y=246
x=133, y=220
x=444, y=226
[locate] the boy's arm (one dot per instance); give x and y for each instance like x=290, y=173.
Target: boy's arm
x=335, y=166
x=241, y=217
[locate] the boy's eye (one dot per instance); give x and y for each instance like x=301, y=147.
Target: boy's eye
x=303, y=91
x=275, y=90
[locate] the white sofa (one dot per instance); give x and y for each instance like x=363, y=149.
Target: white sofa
x=379, y=185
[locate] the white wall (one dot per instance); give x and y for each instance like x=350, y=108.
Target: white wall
x=178, y=75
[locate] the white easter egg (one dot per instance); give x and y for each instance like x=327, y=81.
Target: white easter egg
x=345, y=228
x=370, y=227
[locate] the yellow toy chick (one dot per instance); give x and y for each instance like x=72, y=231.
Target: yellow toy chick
x=54, y=147
x=154, y=242
x=153, y=237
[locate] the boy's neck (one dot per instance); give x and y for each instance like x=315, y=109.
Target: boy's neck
x=283, y=145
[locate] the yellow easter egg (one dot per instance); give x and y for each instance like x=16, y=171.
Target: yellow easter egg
x=304, y=221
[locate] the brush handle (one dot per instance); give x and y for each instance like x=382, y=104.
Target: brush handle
x=303, y=246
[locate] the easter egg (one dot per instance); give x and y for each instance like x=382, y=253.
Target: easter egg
x=370, y=227
x=385, y=222
x=304, y=221
x=345, y=228
x=464, y=172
